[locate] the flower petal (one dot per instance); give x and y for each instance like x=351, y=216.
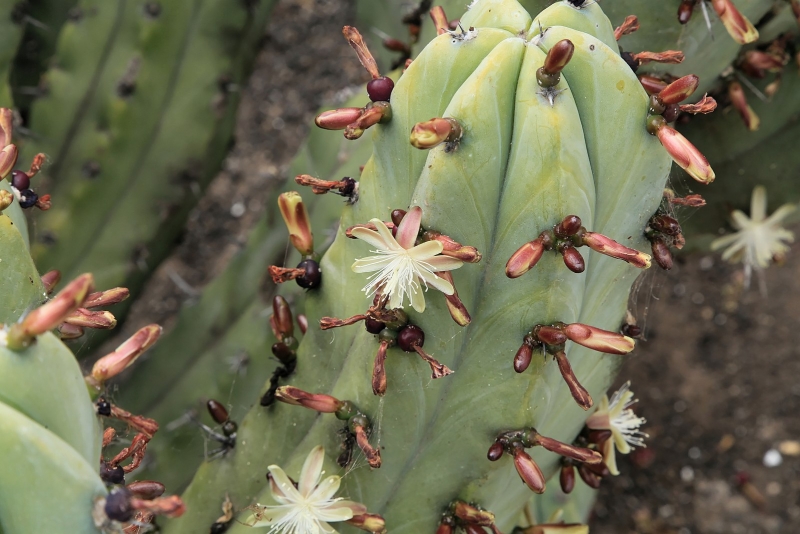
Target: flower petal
x=386, y=234
x=437, y=283
x=334, y=514
x=417, y=297
x=371, y=263
x=283, y=482
x=356, y=507
x=425, y=251
x=409, y=228
x=370, y=236
x=781, y=213
x=610, y=456
x=444, y=263
x=312, y=469
x=326, y=489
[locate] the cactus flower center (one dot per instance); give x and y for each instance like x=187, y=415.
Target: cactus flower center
x=401, y=268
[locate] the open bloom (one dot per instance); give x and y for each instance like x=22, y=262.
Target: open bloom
x=759, y=238
x=400, y=267
x=615, y=415
x=308, y=508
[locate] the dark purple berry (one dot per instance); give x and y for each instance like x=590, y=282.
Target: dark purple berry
x=672, y=112
x=397, y=216
x=118, y=505
x=495, y=452
x=218, y=412
x=283, y=353
x=27, y=198
x=229, y=428
x=111, y=475
x=410, y=336
x=380, y=89
x=20, y=180
x=103, y=407
x=632, y=63
x=374, y=326
x=569, y=226
x=573, y=260
x=312, y=277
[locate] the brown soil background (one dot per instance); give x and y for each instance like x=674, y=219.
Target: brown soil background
x=716, y=378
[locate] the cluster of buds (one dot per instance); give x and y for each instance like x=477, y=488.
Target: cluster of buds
x=358, y=424
x=516, y=441
x=664, y=108
x=354, y=121
x=130, y=508
x=590, y=473
x=307, y=274
x=346, y=187
x=551, y=339
x=471, y=518
x=284, y=349
x=664, y=231
x=739, y=28
x=86, y=316
x=20, y=180
x=564, y=238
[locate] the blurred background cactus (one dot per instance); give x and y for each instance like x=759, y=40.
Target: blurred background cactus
x=81, y=114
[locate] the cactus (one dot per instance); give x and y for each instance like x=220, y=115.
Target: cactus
x=578, y=156
x=137, y=114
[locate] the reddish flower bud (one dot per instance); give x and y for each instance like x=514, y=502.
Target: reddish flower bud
x=337, y=119
x=550, y=335
x=425, y=135
x=589, y=478
x=439, y=20
x=50, y=315
x=296, y=218
x=524, y=258
x=374, y=113
x=671, y=57
x=107, y=297
x=445, y=528
x=68, y=331
x=679, y=90
x=579, y=454
x=756, y=60
x=598, y=339
x=685, y=10
x=685, y=154
x=558, y=56
x=528, y=471
x=313, y=401
x=8, y=158
x=453, y=248
x=302, y=322
x=661, y=253
x=739, y=101
x=568, y=226
x=705, y=105
x=281, y=320
x=692, y=201
x=573, y=259
x=665, y=224
x=628, y=26
x=123, y=357
x=471, y=514
x=651, y=84
x=578, y=392
x=356, y=41
x=51, y=279
x=567, y=478
x=609, y=247
x=455, y=306
x=43, y=203
x=101, y=320
x=369, y=522
x=739, y=28
x=495, y=452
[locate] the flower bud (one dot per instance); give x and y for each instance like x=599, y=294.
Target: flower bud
x=455, y=306
x=114, y=363
x=6, y=198
x=739, y=28
x=6, y=126
x=495, y=452
x=453, y=248
x=50, y=280
x=558, y=56
x=8, y=158
x=107, y=297
x=599, y=340
x=50, y=315
x=609, y=247
x=550, y=335
x=524, y=258
x=146, y=489
x=425, y=135
x=739, y=101
x=528, y=471
x=171, y=506
x=337, y=119
x=661, y=254
x=651, y=84
x=470, y=514
x=68, y=331
x=445, y=528
x=573, y=259
x=679, y=90
x=579, y=454
x=313, y=401
x=566, y=478
x=578, y=392
x=372, y=454
x=101, y=320
x=523, y=357
x=296, y=218
x=281, y=320
x=373, y=114
x=439, y=20
x=369, y=522
x=569, y=226
x=686, y=155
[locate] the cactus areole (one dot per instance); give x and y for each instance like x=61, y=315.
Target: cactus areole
x=505, y=146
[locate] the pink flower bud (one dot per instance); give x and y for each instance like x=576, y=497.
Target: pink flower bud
x=524, y=259
x=580, y=454
x=313, y=401
x=107, y=297
x=53, y=313
x=369, y=522
x=739, y=28
x=528, y=471
x=337, y=119
x=651, y=84
x=296, y=218
x=679, y=90
x=739, y=101
x=598, y=339
x=281, y=320
x=6, y=126
x=68, y=331
x=123, y=357
x=609, y=247
x=577, y=391
x=50, y=280
x=101, y=320
x=686, y=155
x=471, y=514
x=453, y=248
x=8, y=158
x=425, y=135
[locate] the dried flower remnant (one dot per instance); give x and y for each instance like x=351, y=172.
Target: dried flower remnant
x=308, y=508
x=616, y=415
x=759, y=240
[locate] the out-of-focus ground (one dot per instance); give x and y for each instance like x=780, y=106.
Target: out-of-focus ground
x=718, y=377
